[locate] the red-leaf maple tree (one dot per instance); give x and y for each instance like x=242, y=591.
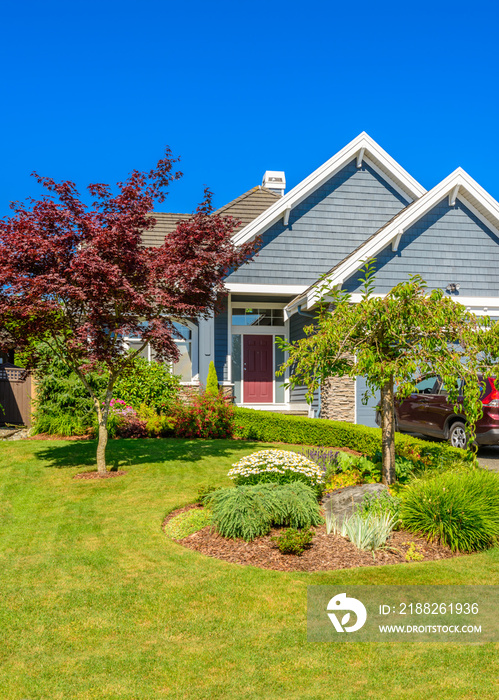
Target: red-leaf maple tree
x=79, y=278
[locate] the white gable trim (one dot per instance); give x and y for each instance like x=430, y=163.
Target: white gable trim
x=363, y=144
x=472, y=195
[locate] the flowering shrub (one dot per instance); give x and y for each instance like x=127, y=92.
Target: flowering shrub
x=204, y=417
x=279, y=466
x=124, y=422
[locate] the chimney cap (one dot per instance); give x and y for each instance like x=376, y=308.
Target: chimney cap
x=274, y=180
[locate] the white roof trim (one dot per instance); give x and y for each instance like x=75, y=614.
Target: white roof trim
x=480, y=306
x=243, y=288
x=364, y=144
x=485, y=207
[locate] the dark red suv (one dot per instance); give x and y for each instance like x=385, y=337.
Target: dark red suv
x=427, y=411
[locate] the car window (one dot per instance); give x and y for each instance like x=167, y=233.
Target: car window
x=427, y=385
x=444, y=391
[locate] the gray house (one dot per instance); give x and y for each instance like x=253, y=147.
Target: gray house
x=360, y=204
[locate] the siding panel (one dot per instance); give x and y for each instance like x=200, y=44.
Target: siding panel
x=449, y=244
x=221, y=344
x=324, y=228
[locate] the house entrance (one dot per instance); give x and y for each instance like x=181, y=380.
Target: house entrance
x=258, y=368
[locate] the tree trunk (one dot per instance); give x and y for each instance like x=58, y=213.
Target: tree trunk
x=101, y=447
x=388, y=432
x=102, y=416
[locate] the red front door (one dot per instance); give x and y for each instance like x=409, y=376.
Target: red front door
x=258, y=373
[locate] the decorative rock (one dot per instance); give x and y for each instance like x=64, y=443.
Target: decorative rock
x=344, y=501
x=13, y=433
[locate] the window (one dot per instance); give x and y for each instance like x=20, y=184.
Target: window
x=184, y=344
x=257, y=317
x=427, y=385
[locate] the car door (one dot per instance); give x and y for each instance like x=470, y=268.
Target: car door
x=442, y=408
x=416, y=412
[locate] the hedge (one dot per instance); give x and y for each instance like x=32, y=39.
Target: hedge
x=266, y=426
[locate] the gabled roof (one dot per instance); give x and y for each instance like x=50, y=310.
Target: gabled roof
x=363, y=147
x=244, y=208
x=457, y=185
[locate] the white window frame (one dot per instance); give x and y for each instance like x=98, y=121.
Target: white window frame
x=194, y=341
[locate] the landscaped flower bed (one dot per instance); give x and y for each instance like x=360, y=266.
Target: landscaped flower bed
x=327, y=552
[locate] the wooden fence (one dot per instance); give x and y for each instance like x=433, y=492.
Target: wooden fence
x=15, y=395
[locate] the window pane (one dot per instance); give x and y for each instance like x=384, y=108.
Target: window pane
x=428, y=385
x=184, y=365
x=257, y=317
x=135, y=345
x=184, y=331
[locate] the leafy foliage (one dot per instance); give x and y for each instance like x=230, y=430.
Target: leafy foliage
x=63, y=406
x=157, y=424
x=276, y=466
x=212, y=380
x=393, y=339
x=250, y=511
x=149, y=383
x=367, y=530
x=380, y=504
x=124, y=421
x=203, y=417
x=299, y=430
x=187, y=523
x=293, y=541
x=205, y=494
x=79, y=278
x=460, y=509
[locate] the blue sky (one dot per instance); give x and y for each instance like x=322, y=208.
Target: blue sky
x=94, y=89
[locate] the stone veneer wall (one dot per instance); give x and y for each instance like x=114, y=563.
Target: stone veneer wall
x=338, y=399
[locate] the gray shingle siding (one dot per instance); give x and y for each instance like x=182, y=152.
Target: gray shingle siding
x=221, y=344
x=297, y=323
x=324, y=228
x=449, y=244
x=365, y=415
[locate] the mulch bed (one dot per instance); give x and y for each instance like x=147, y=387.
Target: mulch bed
x=326, y=551
x=96, y=475
x=47, y=436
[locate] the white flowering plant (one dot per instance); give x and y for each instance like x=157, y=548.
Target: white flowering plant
x=277, y=466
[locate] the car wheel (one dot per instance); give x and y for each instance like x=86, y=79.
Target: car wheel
x=457, y=436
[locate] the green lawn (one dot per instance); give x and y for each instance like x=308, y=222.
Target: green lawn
x=96, y=602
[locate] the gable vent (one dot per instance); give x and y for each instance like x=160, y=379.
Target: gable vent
x=275, y=181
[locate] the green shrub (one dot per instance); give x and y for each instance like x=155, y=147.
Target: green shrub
x=299, y=430
x=367, y=530
x=251, y=511
x=276, y=466
x=63, y=405
x=460, y=509
x=204, y=417
x=293, y=541
x=149, y=383
x=157, y=425
x=212, y=380
x=187, y=523
x=205, y=494
x=380, y=504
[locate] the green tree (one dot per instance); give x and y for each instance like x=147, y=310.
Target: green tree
x=212, y=380
x=392, y=340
